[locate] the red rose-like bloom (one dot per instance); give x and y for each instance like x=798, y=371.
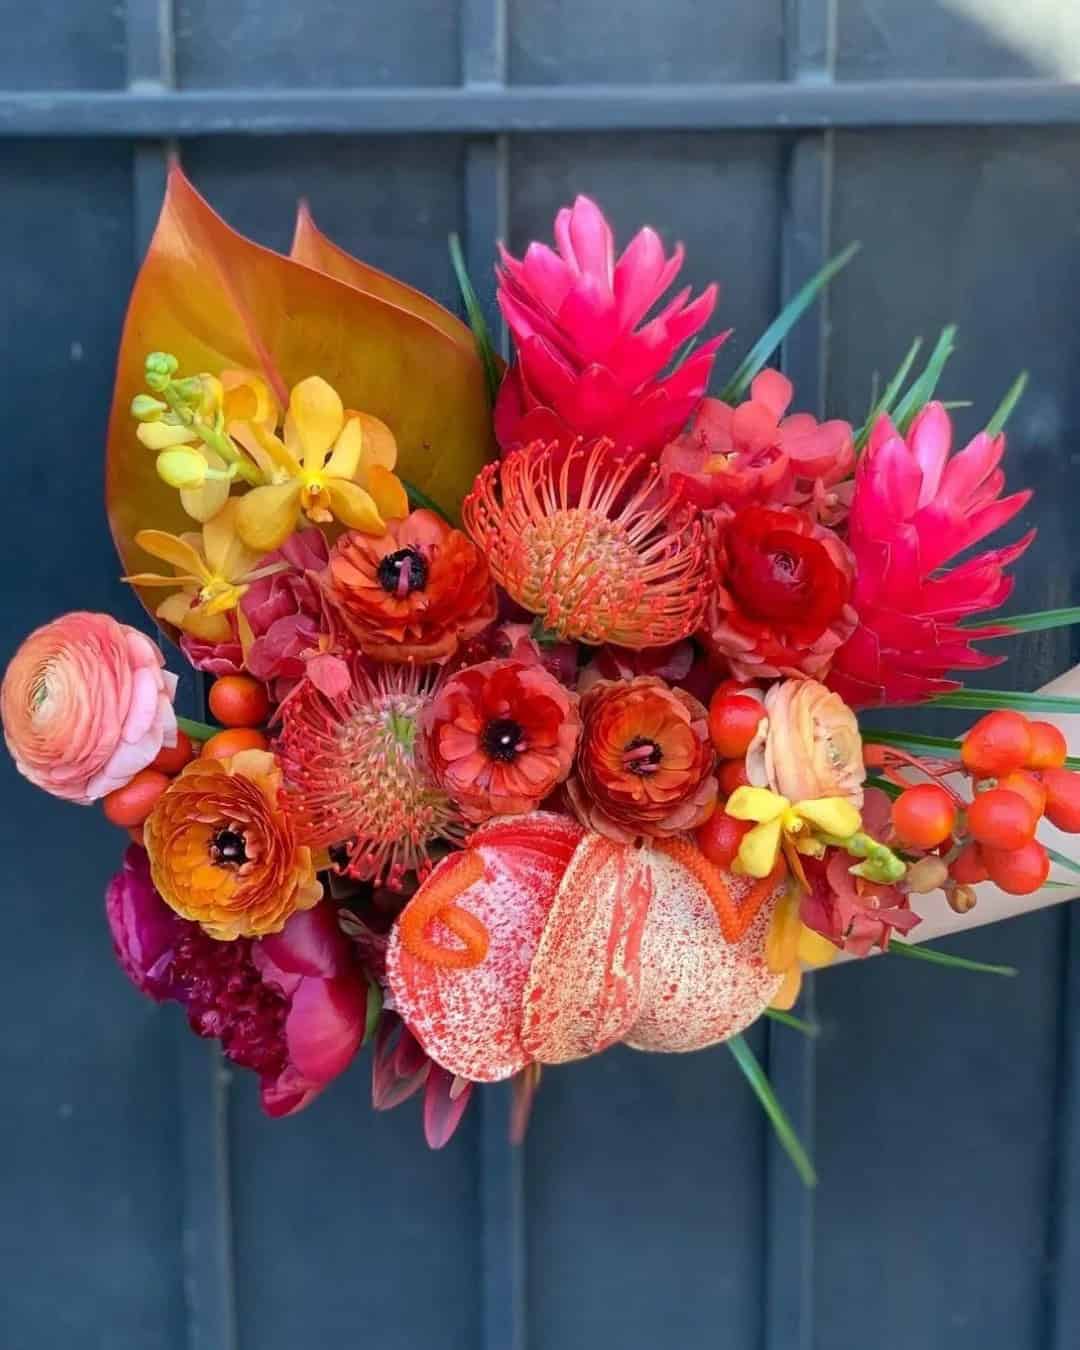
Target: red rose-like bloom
x=500, y=736
x=781, y=606
x=645, y=762
x=412, y=594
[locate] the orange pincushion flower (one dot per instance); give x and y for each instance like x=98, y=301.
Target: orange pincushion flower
x=412, y=594
x=223, y=854
x=608, y=562
x=645, y=760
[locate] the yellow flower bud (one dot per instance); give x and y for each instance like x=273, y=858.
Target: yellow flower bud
x=147, y=409
x=182, y=468
x=163, y=435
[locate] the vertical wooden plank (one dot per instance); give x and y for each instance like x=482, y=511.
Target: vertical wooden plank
x=789, y=1233
x=1063, y=1293
x=203, y=1079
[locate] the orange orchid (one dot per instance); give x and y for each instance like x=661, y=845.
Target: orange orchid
x=331, y=465
x=213, y=570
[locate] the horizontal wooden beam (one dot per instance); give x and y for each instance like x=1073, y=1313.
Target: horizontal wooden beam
x=156, y=114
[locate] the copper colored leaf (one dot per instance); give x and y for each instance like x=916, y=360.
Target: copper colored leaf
x=216, y=300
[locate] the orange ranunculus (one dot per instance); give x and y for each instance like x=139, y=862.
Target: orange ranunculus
x=223, y=854
x=86, y=704
x=412, y=594
x=810, y=746
x=645, y=761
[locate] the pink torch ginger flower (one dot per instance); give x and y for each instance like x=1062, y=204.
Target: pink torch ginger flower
x=86, y=704
x=589, y=363
x=916, y=508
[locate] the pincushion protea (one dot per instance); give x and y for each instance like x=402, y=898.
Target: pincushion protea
x=589, y=363
x=915, y=509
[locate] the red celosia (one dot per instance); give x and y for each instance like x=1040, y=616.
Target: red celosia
x=589, y=362
x=498, y=737
x=601, y=562
x=754, y=455
x=915, y=509
x=781, y=605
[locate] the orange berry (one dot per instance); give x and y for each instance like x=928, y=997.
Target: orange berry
x=171, y=759
x=1001, y=819
x=719, y=838
x=733, y=723
x=239, y=701
x=998, y=743
x=731, y=775
x=228, y=743
x=1018, y=871
x=873, y=755
x=1028, y=787
x=1048, y=747
x=131, y=804
x=923, y=815
x=1062, y=798
x=968, y=866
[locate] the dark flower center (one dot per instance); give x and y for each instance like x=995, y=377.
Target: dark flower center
x=642, y=756
x=227, y=848
x=501, y=739
x=402, y=572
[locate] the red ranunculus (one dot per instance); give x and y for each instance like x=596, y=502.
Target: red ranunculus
x=782, y=603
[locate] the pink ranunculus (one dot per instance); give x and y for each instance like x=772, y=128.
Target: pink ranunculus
x=86, y=703
x=286, y=612
x=144, y=929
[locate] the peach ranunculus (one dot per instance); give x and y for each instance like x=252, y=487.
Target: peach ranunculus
x=810, y=747
x=224, y=854
x=86, y=703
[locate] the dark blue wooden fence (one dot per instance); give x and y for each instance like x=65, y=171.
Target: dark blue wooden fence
x=146, y=1205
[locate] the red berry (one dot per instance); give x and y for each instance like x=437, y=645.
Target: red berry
x=923, y=815
x=228, y=743
x=998, y=743
x=731, y=775
x=733, y=723
x=171, y=759
x=131, y=804
x=239, y=701
x=1018, y=871
x=719, y=838
x=1001, y=819
x=1062, y=798
x=1048, y=747
x=968, y=867
x=1028, y=787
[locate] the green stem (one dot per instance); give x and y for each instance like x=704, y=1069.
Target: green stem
x=795, y=1023
x=785, y=1132
x=198, y=731
x=937, y=958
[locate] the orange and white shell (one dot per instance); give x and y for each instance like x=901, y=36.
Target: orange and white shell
x=590, y=942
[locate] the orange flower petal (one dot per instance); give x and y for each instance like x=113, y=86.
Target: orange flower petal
x=266, y=516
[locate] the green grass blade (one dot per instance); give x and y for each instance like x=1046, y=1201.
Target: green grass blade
x=477, y=322
x=1062, y=859
x=940, y=746
x=771, y=339
x=922, y=391
x=795, y=1023
x=1004, y=409
x=936, y=958
x=1037, y=622
x=884, y=404
x=883, y=785
x=198, y=731
x=763, y=1090
x=1007, y=698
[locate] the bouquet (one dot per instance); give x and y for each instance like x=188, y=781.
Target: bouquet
x=535, y=689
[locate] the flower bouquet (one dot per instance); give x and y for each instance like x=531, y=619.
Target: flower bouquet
x=533, y=687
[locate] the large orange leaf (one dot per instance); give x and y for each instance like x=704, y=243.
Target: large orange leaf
x=216, y=300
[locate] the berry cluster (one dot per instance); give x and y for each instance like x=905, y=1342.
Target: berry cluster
x=735, y=713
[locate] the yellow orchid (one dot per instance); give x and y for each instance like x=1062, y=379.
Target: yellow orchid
x=791, y=826
x=213, y=570
x=790, y=944
x=331, y=465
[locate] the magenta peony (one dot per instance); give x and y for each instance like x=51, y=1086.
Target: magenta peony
x=589, y=362
x=86, y=703
x=144, y=929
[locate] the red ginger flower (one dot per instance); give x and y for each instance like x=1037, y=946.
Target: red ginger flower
x=915, y=509
x=500, y=736
x=587, y=365
x=599, y=563
x=645, y=763
x=754, y=455
x=781, y=605
x=412, y=594
x=292, y=1007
